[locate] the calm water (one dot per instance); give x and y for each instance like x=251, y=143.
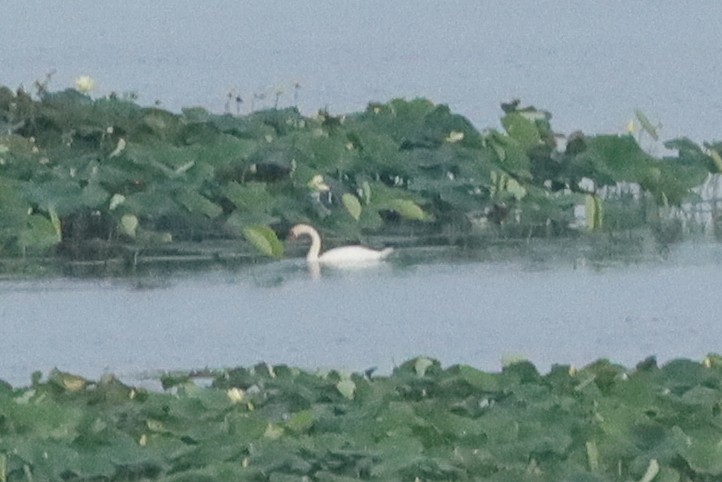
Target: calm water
x=590, y=63
x=467, y=311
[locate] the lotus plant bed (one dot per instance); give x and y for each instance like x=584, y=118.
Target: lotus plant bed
x=603, y=422
x=86, y=178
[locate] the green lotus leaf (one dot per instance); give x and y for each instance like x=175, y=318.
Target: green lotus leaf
x=352, y=205
x=401, y=453
x=39, y=234
x=13, y=207
x=50, y=459
x=594, y=212
x=346, y=387
x=151, y=204
x=408, y=209
x=619, y=157
x=302, y=421
x=324, y=153
x=646, y=124
x=701, y=450
x=196, y=114
x=510, y=154
x=402, y=120
x=521, y=129
x=478, y=379
x=249, y=197
x=264, y=239
x=378, y=153
x=66, y=197
x=128, y=225
x=197, y=203
x=674, y=179
x=161, y=123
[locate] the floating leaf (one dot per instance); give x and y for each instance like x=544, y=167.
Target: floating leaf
x=352, y=205
x=264, y=239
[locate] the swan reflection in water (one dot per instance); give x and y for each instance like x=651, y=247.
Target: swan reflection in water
x=344, y=257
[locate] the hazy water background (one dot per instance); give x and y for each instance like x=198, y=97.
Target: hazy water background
x=590, y=63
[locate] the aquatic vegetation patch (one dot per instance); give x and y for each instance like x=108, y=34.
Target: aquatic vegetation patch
x=422, y=422
x=78, y=173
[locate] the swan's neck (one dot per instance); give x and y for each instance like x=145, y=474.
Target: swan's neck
x=315, y=250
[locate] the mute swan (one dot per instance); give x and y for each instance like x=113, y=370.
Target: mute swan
x=345, y=254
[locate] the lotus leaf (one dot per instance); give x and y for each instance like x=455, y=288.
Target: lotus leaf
x=594, y=212
x=522, y=129
x=194, y=202
x=408, y=209
x=265, y=240
x=352, y=205
x=646, y=124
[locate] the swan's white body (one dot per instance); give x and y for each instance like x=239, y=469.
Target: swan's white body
x=343, y=255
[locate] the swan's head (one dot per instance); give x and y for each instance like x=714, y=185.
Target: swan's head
x=300, y=230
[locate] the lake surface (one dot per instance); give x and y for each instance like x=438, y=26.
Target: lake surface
x=590, y=63
x=464, y=311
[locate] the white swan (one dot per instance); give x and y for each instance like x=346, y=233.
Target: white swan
x=342, y=255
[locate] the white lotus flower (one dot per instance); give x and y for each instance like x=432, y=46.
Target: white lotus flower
x=84, y=84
